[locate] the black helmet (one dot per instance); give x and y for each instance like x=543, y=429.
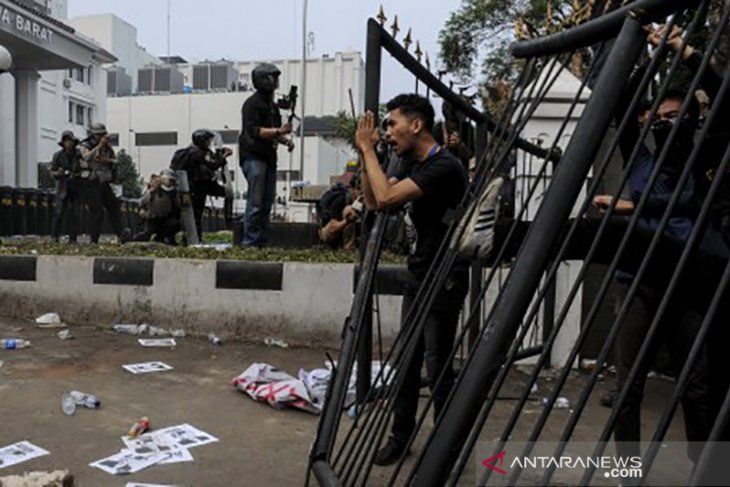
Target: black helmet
x=202, y=138
x=265, y=78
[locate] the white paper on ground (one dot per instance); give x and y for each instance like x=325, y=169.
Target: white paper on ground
x=19, y=452
x=126, y=462
x=185, y=436
x=147, y=367
x=157, y=342
x=154, y=443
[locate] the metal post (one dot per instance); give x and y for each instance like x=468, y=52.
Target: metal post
x=457, y=420
x=303, y=93
x=373, y=63
x=475, y=289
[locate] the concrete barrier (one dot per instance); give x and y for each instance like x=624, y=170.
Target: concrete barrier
x=301, y=303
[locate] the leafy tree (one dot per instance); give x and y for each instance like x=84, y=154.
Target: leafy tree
x=128, y=176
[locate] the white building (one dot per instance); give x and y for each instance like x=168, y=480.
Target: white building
x=169, y=98
x=57, y=82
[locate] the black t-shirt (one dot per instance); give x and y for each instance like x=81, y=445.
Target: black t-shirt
x=258, y=111
x=443, y=181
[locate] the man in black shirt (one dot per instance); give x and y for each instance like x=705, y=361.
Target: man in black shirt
x=261, y=133
x=433, y=182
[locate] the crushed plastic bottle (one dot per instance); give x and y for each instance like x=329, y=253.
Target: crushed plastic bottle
x=13, y=343
x=214, y=340
x=68, y=405
x=131, y=329
x=560, y=402
x=87, y=400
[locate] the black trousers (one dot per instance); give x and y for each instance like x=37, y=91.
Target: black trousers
x=199, y=191
x=677, y=330
x=163, y=229
x=98, y=197
x=434, y=344
x=66, y=205
x=697, y=284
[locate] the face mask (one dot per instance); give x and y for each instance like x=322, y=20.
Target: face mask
x=682, y=143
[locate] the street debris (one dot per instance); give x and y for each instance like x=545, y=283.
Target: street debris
x=165, y=446
x=72, y=399
x=50, y=320
x=68, y=405
x=157, y=342
x=214, y=340
x=130, y=329
x=135, y=484
x=14, y=343
x=65, y=335
x=140, y=427
x=157, y=331
x=58, y=478
x=19, y=452
x=275, y=342
x=147, y=367
x=560, y=402
x=265, y=383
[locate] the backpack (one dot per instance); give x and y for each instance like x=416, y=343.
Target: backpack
x=181, y=159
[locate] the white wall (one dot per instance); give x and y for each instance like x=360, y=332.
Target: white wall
x=118, y=37
x=184, y=114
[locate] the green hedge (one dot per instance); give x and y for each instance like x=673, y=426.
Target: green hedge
x=319, y=255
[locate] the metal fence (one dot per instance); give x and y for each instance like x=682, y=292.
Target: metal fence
x=685, y=273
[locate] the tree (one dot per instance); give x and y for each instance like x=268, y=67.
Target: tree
x=128, y=176
x=478, y=35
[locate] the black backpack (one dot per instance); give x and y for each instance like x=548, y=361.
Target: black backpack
x=181, y=159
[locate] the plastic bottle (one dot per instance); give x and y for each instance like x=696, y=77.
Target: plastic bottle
x=139, y=427
x=214, y=340
x=68, y=405
x=87, y=400
x=13, y=343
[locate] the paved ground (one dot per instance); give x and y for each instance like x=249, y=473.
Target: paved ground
x=258, y=445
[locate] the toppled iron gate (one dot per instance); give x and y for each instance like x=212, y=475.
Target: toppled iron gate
x=680, y=269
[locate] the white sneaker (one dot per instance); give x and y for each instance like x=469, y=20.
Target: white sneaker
x=478, y=238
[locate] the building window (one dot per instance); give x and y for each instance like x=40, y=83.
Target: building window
x=71, y=112
x=155, y=138
x=90, y=115
x=88, y=75
x=80, y=115
x=79, y=74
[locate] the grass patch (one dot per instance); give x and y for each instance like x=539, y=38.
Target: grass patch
x=313, y=255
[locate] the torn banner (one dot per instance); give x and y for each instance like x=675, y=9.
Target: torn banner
x=265, y=383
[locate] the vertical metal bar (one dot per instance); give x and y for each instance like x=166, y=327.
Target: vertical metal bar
x=475, y=289
x=456, y=421
x=548, y=316
x=373, y=66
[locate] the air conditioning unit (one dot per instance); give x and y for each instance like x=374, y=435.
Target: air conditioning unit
x=67, y=83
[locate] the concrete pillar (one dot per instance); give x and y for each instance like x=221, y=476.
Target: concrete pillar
x=7, y=130
x=26, y=135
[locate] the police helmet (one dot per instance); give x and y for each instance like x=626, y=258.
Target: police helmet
x=202, y=138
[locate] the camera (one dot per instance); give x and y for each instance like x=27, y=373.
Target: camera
x=289, y=101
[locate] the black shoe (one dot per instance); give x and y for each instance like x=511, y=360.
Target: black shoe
x=390, y=453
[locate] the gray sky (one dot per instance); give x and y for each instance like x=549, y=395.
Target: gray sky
x=247, y=29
